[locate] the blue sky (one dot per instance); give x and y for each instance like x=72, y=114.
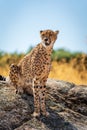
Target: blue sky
x=21, y=21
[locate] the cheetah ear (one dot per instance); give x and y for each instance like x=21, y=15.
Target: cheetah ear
x=57, y=32
x=41, y=31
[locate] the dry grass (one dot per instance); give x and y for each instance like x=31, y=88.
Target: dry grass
x=4, y=71
x=61, y=71
x=66, y=72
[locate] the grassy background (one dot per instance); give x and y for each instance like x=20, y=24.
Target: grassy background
x=66, y=66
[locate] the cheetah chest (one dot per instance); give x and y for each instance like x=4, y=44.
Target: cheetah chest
x=41, y=65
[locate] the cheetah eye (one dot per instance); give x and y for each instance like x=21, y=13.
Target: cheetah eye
x=43, y=35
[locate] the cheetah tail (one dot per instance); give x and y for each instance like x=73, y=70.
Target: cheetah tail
x=2, y=78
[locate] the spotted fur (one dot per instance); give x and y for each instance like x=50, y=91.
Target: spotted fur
x=33, y=70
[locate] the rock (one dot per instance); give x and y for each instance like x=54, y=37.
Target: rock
x=66, y=103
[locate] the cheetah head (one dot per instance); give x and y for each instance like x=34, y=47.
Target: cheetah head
x=48, y=37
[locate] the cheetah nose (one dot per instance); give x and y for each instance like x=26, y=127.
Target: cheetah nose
x=46, y=39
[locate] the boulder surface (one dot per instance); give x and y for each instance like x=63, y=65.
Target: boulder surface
x=66, y=104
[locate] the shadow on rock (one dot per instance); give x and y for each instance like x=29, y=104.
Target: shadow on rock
x=55, y=122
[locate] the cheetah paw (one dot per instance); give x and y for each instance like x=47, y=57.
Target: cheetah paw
x=46, y=114
x=36, y=114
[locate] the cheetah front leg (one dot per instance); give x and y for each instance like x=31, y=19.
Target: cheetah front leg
x=36, y=99
x=43, y=98
x=39, y=92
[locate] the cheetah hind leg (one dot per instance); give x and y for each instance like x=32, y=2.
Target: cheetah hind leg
x=14, y=75
x=19, y=90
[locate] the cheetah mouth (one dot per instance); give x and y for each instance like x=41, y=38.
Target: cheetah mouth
x=47, y=44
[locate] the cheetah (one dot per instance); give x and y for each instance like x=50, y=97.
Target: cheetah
x=33, y=70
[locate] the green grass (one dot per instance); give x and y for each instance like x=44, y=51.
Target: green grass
x=57, y=55
x=60, y=54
